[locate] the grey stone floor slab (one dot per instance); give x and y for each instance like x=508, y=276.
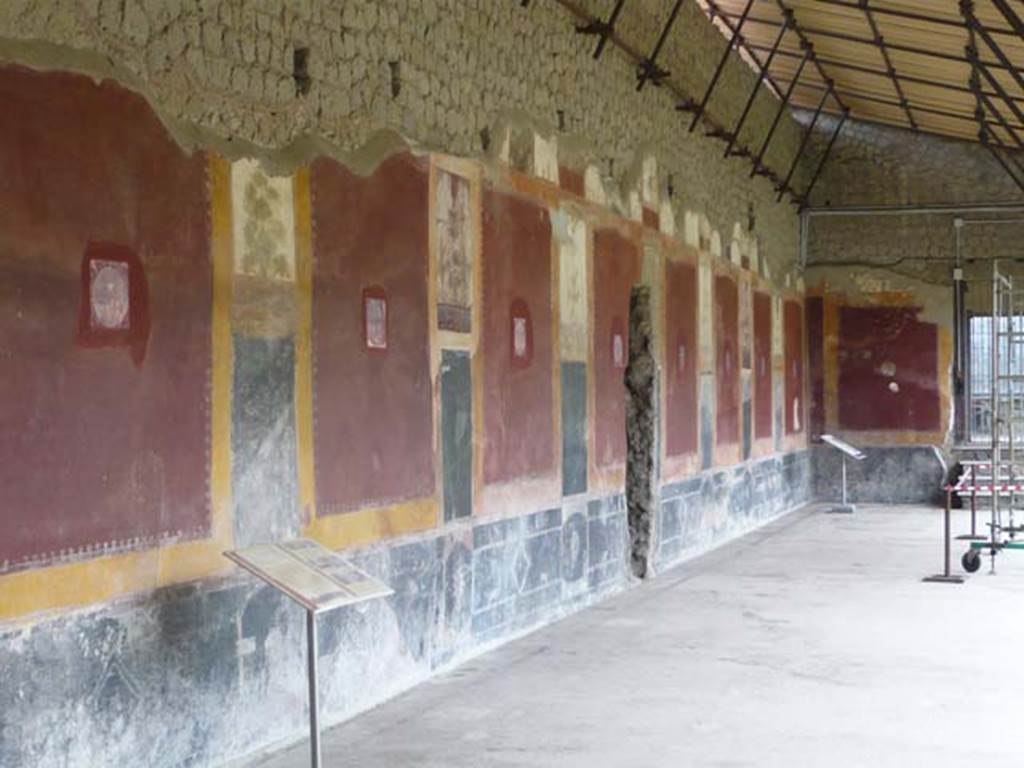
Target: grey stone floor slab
x=812, y=642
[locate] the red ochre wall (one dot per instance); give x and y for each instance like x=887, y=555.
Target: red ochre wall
x=888, y=370
x=373, y=426
x=727, y=416
x=103, y=435
x=793, y=337
x=815, y=314
x=122, y=439
x=616, y=271
x=680, y=358
x=518, y=397
x=762, y=365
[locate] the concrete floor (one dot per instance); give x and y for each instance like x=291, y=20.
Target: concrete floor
x=812, y=642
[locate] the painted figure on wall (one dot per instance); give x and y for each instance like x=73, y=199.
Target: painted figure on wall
x=454, y=253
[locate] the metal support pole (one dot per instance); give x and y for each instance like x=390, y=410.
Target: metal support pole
x=995, y=153
x=844, y=479
x=721, y=66
x=603, y=29
x=946, y=577
x=974, y=502
x=968, y=11
x=977, y=68
x=314, y=707
x=1008, y=13
x=973, y=535
x=824, y=159
x=803, y=142
x=649, y=69
x=757, y=87
x=778, y=114
x=890, y=69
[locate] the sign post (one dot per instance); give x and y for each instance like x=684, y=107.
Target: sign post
x=320, y=581
x=846, y=450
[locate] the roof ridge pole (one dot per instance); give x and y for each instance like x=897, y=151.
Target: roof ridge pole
x=649, y=70
x=603, y=29
x=890, y=69
x=784, y=186
x=778, y=115
x=721, y=66
x=757, y=86
x=824, y=159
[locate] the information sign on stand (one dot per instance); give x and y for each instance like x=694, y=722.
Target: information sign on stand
x=317, y=579
x=847, y=451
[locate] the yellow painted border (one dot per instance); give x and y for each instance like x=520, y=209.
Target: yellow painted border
x=366, y=526
x=98, y=580
x=304, y=343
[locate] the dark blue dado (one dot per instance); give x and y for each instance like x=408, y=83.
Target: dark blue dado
x=911, y=474
x=704, y=511
x=197, y=674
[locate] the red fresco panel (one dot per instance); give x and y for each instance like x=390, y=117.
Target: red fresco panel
x=571, y=181
x=105, y=302
x=374, y=422
x=518, y=401
x=727, y=369
x=762, y=364
x=888, y=370
x=616, y=271
x=681, y=358
x=793, y=338
x=815, y=313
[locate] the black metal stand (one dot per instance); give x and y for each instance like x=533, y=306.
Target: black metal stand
x=946, y=577
x=314, y=708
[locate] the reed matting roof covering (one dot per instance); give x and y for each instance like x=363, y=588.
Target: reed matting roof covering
x=938, y=66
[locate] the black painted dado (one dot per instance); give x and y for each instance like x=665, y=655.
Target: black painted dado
x=704, y=511
x=264, y=475
x=197, y=674
x=889, y=475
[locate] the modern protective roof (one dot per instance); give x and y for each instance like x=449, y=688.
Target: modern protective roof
x=950, y=67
